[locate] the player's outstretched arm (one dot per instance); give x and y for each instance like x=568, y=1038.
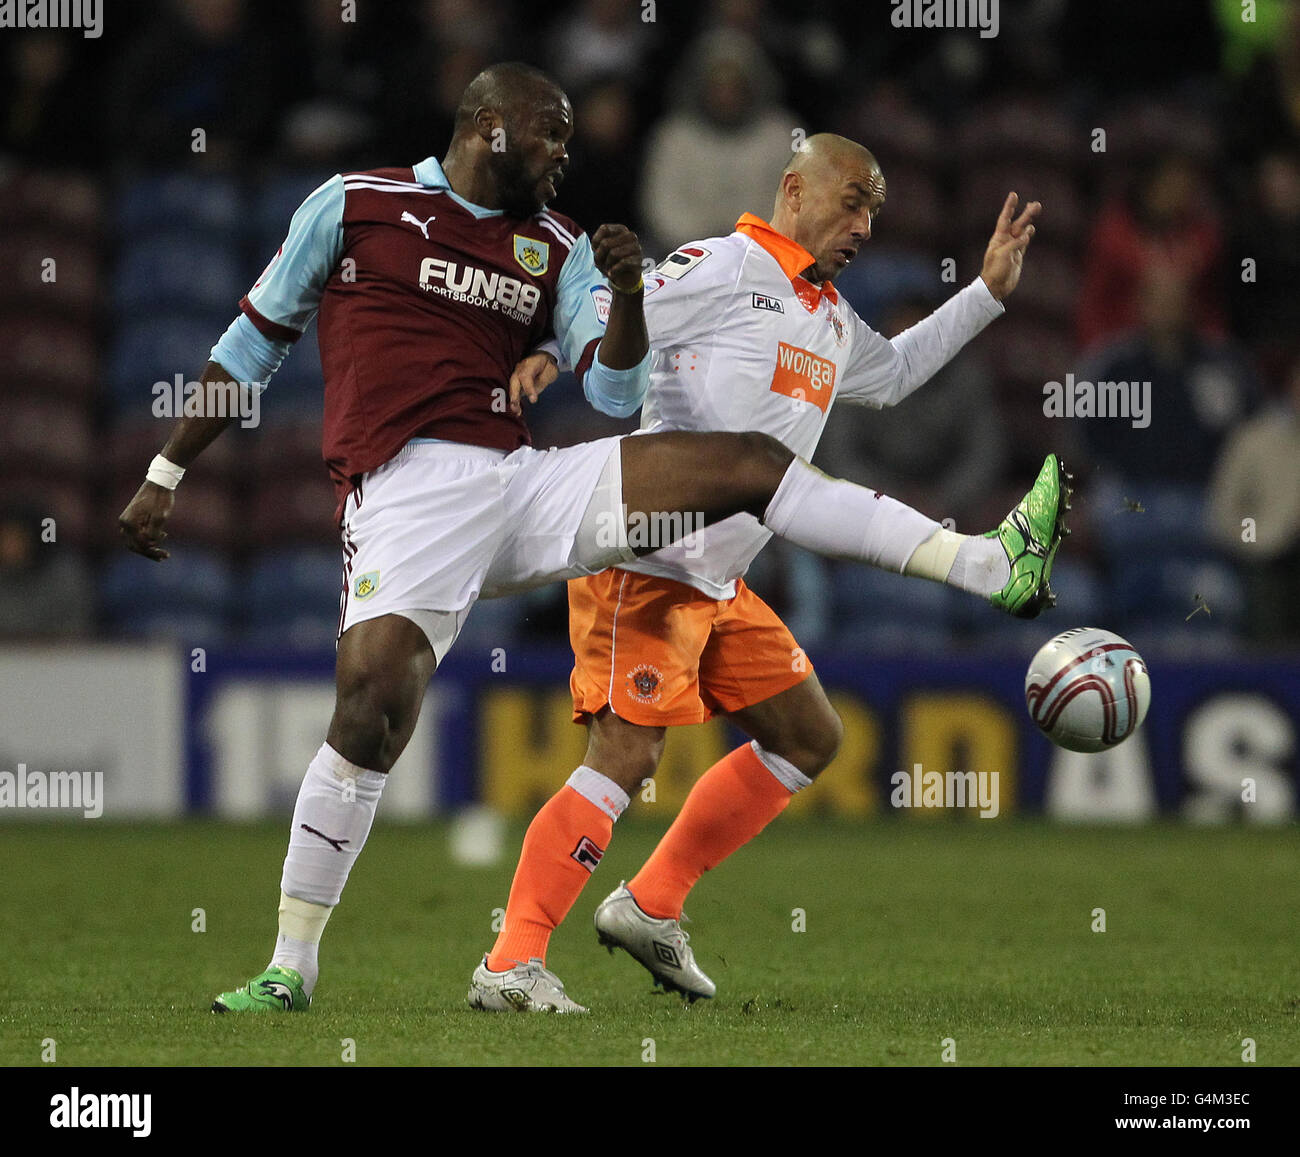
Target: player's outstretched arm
x=144, y=520
x=1006, y=249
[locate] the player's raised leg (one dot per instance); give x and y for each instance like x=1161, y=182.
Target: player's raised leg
x=721, y=474
x=382, y=669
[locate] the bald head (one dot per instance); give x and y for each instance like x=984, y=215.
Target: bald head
x=824, y=155
x=829, y=195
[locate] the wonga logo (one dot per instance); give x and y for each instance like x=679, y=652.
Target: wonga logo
x=803, y=376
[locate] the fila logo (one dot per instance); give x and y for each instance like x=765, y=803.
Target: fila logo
x=587, y=854
x=422, y=226
x=762, y=301
x=496, y=291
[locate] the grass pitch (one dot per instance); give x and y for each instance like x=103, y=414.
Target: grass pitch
x=914, y=932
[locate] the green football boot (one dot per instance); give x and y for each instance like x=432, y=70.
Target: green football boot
x=1030, y=535
x=275, y=990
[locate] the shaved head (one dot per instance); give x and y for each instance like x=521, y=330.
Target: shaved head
x=830, y=192
x=825, y=156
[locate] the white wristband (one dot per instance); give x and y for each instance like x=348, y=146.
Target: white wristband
x=163, y=473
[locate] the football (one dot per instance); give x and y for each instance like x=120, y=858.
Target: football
x=1087, y=689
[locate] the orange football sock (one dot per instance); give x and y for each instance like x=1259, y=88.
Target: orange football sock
x=562, y=847
x=732, y=802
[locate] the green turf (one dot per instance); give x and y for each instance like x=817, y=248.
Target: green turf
x=915, y=932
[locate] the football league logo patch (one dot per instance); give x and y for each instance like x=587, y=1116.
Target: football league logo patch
x=366, y=584
x=680, y=263
x=534, y=256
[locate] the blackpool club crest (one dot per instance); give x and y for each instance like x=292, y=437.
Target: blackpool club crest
x=837, y=324
x=533, y=255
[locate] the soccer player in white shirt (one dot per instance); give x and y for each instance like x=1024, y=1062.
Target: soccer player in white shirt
x=749, y=334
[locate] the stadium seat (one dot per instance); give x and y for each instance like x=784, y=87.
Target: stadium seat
x=1147, y=127
x=46, y=197
x=69, y=502
x=878, y=277
x=893, y=637
x=1028, y=353
x=994, y=632
x=195, y=586
x=278, y=453
x=294, y=510
x=1165, y=588
x=188, y=627
x=897, y=129
x=1019, y=128
x=290, y=598
x=45, y=437
x=156, y=349
x=187, y=202
x=274, y=206
x=51, y=269
x=205, y=514
x=491, y=623
x=1171, y=518
x=986, y=187
x=918, y=215
x=50, y=355
x=130, y=447
x=1048, y=289
x=297, y=389
x=863, y=595
x=174, y=270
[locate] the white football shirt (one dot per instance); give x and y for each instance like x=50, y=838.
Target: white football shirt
x=742, y=342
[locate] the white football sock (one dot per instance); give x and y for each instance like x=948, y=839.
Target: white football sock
x=331, y=820
x=840, y=519
x=301, y=925
x=981, y=565
x=969, y=562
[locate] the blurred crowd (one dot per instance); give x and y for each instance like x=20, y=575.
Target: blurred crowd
x=158, y=167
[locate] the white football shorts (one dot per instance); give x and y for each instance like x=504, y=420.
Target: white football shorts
x=441, y=525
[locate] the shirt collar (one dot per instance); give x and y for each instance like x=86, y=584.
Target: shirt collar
x=792, y=257
x=429, y=173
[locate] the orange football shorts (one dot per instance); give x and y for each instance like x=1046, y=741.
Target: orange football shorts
x=661, y=654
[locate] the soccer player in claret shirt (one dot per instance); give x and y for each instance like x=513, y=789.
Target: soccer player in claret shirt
x=432, y=282
x=748, y=334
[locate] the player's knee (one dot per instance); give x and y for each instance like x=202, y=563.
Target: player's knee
x=759, y=464
x=826, y=742
x=763, y=454
x=816, y=743
x=370, y=722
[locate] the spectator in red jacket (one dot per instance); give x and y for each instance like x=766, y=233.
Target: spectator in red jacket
x=1166, y=227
